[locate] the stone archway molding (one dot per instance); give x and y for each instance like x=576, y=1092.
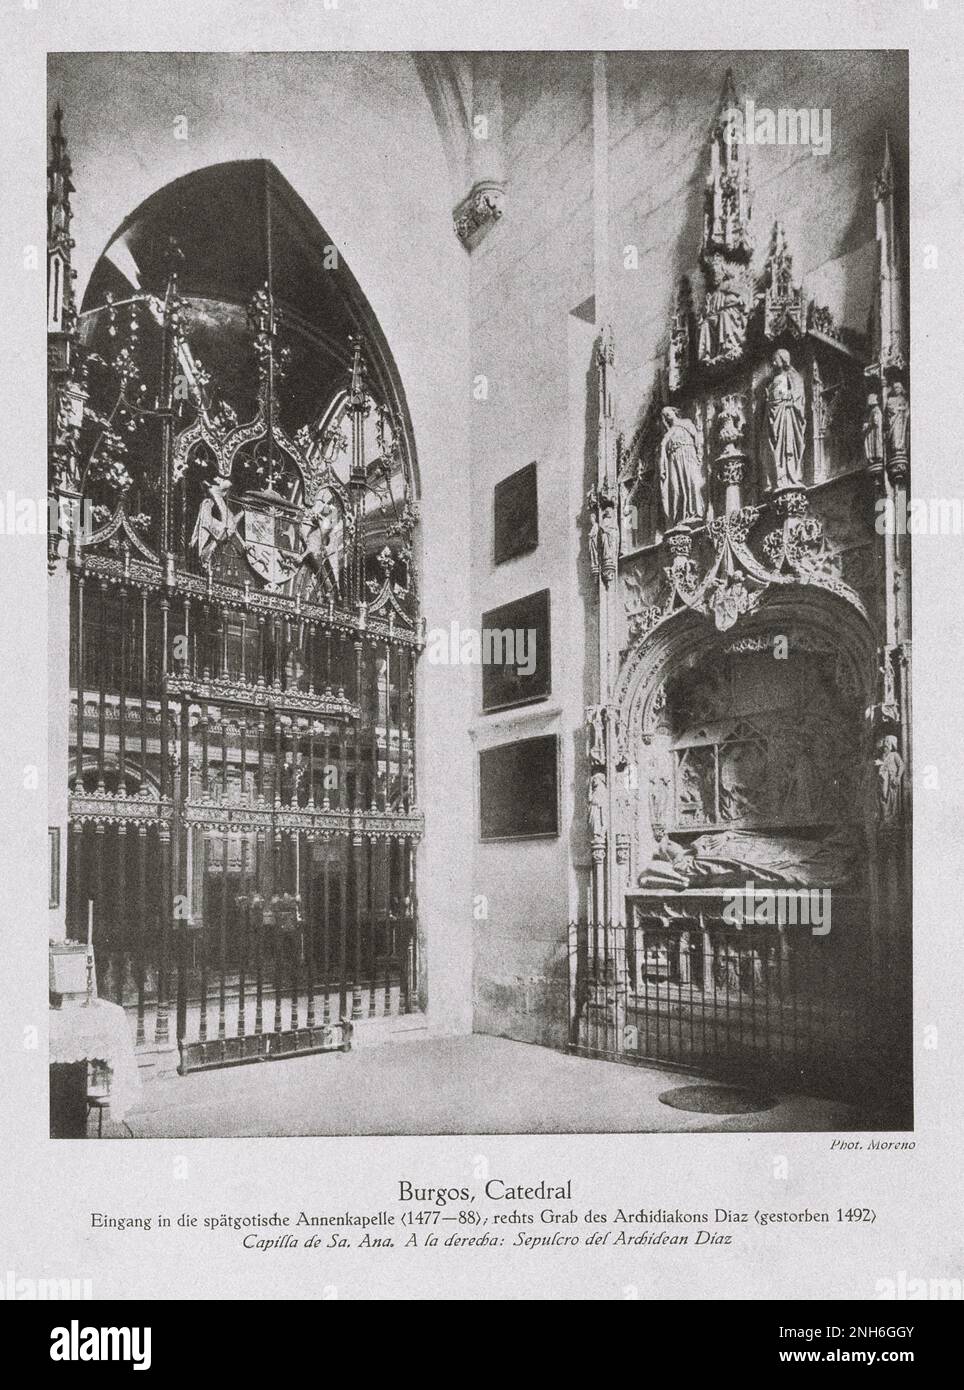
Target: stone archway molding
x=810, y=617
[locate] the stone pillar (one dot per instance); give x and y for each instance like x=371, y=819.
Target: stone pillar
x=58, y=740
x=731, y=471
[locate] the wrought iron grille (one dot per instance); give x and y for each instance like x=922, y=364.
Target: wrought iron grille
x=758, y=1005
x=244, y=633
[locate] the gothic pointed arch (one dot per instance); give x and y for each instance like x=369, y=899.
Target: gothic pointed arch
x=244, y=625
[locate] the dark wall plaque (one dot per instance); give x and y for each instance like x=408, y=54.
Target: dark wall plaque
x=516, y=655
x=519, y=789
x=516, y=522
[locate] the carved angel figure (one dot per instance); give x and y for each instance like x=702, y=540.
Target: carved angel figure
x=682, y=484
x=316, y=532
x=215, y=521
x=786, y=422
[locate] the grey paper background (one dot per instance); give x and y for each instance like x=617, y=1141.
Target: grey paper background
x=49, y=1189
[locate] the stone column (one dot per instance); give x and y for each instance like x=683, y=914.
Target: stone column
x=58, y=739
x=731, y=470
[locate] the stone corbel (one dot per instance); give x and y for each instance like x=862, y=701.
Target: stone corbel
x=484, y=203
x=478, y=211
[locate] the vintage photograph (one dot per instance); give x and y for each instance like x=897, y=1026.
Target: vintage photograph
x=479, y=593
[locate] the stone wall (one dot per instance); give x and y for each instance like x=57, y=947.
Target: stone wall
x=603, y=207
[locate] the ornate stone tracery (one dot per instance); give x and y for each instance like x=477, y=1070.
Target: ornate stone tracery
x=758, y=522
x=244, y=627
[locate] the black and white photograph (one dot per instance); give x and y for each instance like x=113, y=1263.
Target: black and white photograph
x=464, y=551
x=244, y=642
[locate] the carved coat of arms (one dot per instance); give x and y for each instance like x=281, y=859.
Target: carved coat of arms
x=268, y=530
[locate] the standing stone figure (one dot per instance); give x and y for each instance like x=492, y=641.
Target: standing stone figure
x=596, y=735
x=214, y=521
x=596, y=806
x=786, y=423
x=873, y=430
x=890, y=781
x=723, y=322
x=316, y=533
x=682, y=484
x=897, y=417
x=603, y=531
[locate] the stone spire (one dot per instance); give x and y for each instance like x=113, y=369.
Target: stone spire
x=890, y=302
x=726, y=210
x=61, y=311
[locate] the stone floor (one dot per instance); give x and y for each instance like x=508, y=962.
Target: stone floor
x=443, y=1085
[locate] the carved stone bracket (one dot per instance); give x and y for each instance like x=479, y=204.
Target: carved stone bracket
x=784, y=305
x=478, y=211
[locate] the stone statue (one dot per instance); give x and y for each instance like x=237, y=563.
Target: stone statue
x=682, y=483
x=215, y=521
x=897, y=418
x=726, y=857
x=744, y=780
x=724, y=317
x=659, y=785
x=873, y=429
x=799, y=793
x=596, y=735
x=596, y=804
x=316, y=531
x=603, y=531
x=890, y=781
x=692, y=793
x=786, y=423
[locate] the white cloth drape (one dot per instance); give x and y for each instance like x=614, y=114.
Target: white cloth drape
x=99, y=1032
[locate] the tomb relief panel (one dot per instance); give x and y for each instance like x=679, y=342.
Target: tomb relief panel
x=749, y=745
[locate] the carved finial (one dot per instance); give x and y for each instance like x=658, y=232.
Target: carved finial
x=262, y=319
x=726, y=214
x=890, y=307
x=884, y=185
x=172, y=258
x=784, y=308
x=678, y=357
x=59, y=186
x=607, y=345
x=728, y=98
x=358, y=404
x=357, y=395
x=61, y=314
